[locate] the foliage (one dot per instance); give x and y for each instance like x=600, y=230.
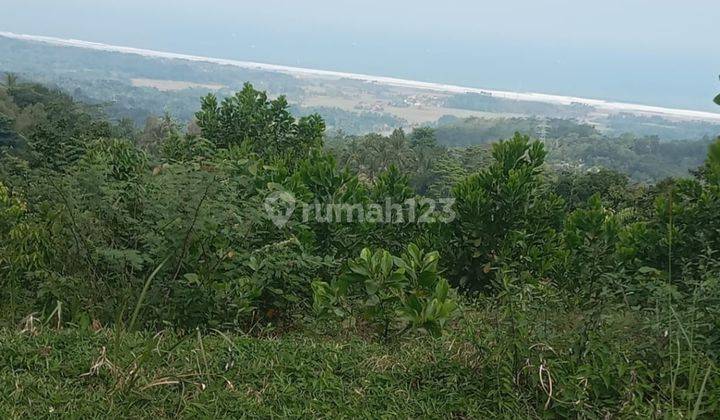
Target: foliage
x=394, y=293
x=577, y=188
x=591, y=235
x=573, y=146
x=580, y=293
x=373, y=154
x=498, y=204
x=177, y=148
x=22, y=249
x=326, y=185
x=266, y=124
x=711, y=170
x=399, y=227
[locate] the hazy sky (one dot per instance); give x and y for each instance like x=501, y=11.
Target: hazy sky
x=662, y=52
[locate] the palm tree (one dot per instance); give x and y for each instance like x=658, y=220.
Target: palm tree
x=399, y=151
x=10, y=80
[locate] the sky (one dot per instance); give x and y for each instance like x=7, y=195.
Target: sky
x=657, y=52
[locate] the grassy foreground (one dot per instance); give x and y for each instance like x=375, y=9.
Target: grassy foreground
x=85, y=374
x=482, y=367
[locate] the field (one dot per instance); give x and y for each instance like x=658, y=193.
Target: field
x=172, y=85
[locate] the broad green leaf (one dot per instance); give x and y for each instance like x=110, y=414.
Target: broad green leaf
x=441, y=290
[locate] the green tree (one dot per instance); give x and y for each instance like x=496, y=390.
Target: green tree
x=576, y=188
x=425, y=147
x=712, y=163
x=266, y=125
x=499, y=208
x=398, y=227
x=372, y=154
x=8, y=136
x=591, y=235
x=328, y=186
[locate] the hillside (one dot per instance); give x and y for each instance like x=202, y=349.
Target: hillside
x=257, y=266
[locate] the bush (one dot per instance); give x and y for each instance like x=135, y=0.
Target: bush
x=496, y=205
x=392, y=293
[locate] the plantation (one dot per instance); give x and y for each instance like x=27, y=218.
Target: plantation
x=145, y=273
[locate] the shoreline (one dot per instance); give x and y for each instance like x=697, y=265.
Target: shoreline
x=599, y=104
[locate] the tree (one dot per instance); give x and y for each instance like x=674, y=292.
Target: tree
x=713, y=161
x=267, y=126
x=374, y=153
x=577, y=188
x=157, y=130
x=325, y=185
x=590, y=235
x=11, y=80
x=8, y=136
x=399, y=227
x=712, y=164
x=499, y=208
x=426, y=150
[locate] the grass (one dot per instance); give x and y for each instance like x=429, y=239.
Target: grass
x=531, y=365
x=85, y=374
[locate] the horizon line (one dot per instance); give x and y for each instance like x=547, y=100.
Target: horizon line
x=601, y=104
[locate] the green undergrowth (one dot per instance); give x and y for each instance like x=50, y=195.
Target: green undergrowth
x=85, y=374
x=526, y=363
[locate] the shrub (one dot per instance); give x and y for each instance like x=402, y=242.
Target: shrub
x=498, y=203
x=392, y=293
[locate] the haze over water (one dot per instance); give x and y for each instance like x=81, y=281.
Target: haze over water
x=669, y=58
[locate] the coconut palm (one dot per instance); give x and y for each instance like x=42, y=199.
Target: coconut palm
x=10, y=80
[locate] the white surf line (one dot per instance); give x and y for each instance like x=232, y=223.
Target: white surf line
x=600, y=104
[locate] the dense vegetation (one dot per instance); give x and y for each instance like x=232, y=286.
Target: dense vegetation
x=571, y=144
x=142, y=274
